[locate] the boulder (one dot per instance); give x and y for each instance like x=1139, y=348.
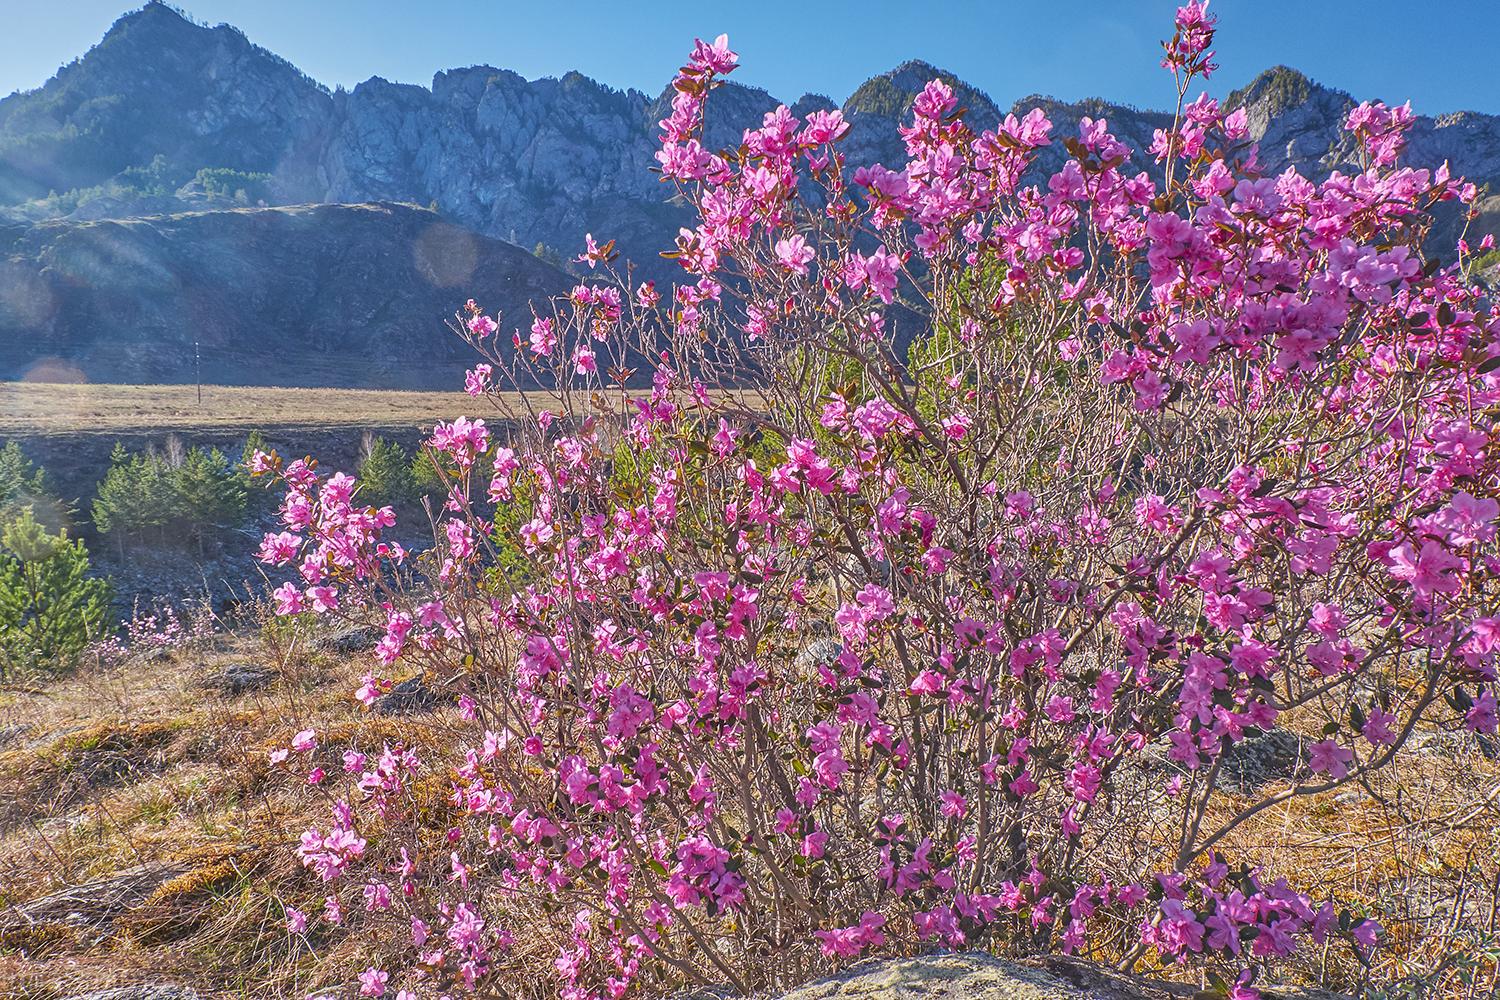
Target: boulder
x=238, y=678
x=356, y=639
x=144, y=991
x=94, y=904
x=1256, y=760
x=979, y=976
x=411, y=697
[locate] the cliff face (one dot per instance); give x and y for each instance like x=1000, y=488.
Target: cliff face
x=165, y=116
x=336, y=295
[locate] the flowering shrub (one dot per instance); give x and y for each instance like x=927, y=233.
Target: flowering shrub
x=816, y=649
x=157, y=628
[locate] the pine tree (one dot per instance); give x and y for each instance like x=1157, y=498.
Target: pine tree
x=208, y=495
x=425, y=477
x=136, y=498
x=116, y=510
x=385, y=475
x=25, y=484
x=50, y=608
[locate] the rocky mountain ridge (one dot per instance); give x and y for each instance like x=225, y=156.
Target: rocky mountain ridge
x=530, y=161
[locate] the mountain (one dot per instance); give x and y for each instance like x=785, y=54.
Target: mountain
x=159, y=84
x=165, y=116
x=335, y=295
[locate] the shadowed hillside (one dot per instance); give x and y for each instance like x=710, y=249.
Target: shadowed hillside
x=320, y=295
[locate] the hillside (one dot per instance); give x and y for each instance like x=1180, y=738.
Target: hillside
x=315, y=295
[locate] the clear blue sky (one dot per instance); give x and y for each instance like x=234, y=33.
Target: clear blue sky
x=1441, y=55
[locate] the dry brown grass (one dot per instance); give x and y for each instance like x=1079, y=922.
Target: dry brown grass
x=141, y=799
x=37, y=408
x=1417, y=847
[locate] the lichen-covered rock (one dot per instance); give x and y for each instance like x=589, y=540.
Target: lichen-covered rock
x=979, y=976
x=147, y=991
x=238, y=678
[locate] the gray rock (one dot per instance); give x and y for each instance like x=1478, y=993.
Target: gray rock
x=817, y=652
x=410, y=697
x=93, y=904
x=357, y=639
x=1273, y=756
x=979, y=976
x=145, y=991
x=1451, y=743
x=238, y=678
x=1277, y=755
x=1433, y=902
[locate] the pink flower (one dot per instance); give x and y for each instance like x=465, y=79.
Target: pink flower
x=1470, y=520
x=1430, y=570
x=1481, y=717
x=477, y=380
x=953, y=805
x=296, y=921
x=372, y=982
x=794, y=254
x=289, y=600
x=1377, y=728
x=543, y=338
x=881, y=270
x=323, y=598
x=716, y=57
x=1328, y=757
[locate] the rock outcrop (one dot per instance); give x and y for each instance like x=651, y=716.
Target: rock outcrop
x=529, y=161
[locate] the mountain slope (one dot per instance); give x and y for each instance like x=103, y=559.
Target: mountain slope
x=131, y=124
x=321, y=295
x=158, y=84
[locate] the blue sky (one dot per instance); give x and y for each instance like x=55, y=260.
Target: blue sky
x=1438, y=54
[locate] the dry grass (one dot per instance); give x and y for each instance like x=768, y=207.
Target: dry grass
x=1417, y=847
x=37, y=408
x=144, y=836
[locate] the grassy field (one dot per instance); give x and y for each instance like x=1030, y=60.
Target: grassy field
x=30, y=409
